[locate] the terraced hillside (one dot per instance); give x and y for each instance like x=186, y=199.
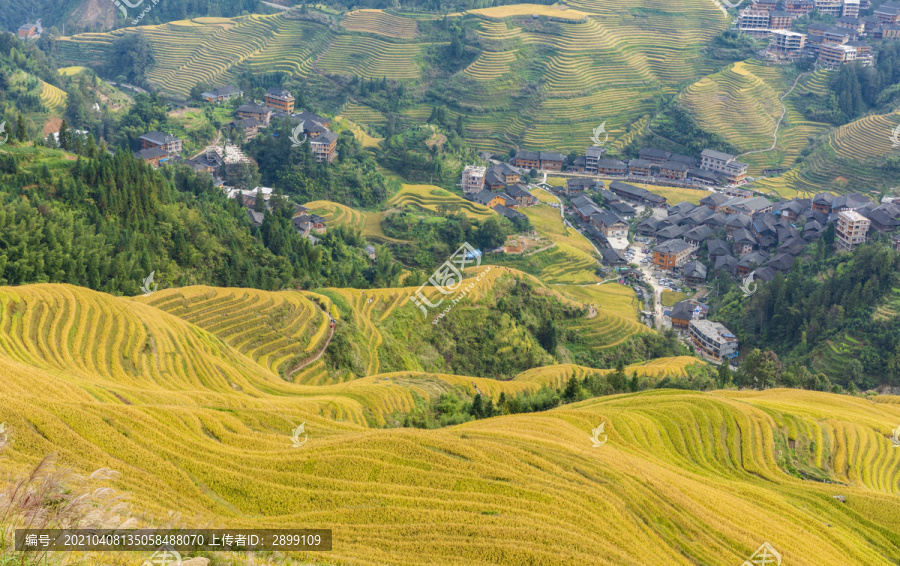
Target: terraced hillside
x=542, y=83
x=381, y=23
x=191, y=423
x=429, y=197
x=848, y=160
x=53, y=97
x=743, y=104
x=569, y=258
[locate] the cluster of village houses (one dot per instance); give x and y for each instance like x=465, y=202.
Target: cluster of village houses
x=159, y=147
x=734, y=232
x=730, y=231
x=834, y=45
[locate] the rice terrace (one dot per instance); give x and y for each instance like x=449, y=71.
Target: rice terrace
x=450, y=283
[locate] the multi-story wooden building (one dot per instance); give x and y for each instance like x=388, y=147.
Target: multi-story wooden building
x=324, y=147
x=671, y=254
x=280, y=98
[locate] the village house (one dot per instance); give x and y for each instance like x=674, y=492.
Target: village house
x=696, y=236
x=780, y=20
x=591, y=157
x=823, y=34
x=654, y=155
x=539, y=160
x=853, y=201
x=609, y=224
x=725, y=263
x=672, y=254
x=887, y=32
x=713, y=339
x=787, y=42
x=714, y=201
x=259, y=113
x=207, y=162
x=500, y=175
x=472, y=179
x=694, y=273
x=489, y=199
x=249, y=126
x=306, y=223
x=855, y=25
x=744, y=242
x=885, y=218
x=717, y=247
x=671, y=232
x=623, y=209
x=636, y=194
x=822, y=202
x=685, y=311
x=585, y=208
x=639, y=167
x=851, y=229
x=153, y=155
x=29, y=31
x=725, y=163
x=888, y=13
x=256, y=218
x=508, y=212
x=522, y=195
x=751, y=261
x=324, y=147
x=716, y=220
x=221, y=94
x=749, y=206
x=789, y=210
x=612, y=257
x=166, y=142
x=647, y=227
x=674, y=170
x=835, y=55
x=280, y=98
x=798, y=7
x=750, y=20
x=578, y=185
x=310, y=119
x=611, y=167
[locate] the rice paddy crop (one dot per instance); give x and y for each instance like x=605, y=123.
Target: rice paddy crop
x=53, y=97
x=429, y=197
x=381, y=23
